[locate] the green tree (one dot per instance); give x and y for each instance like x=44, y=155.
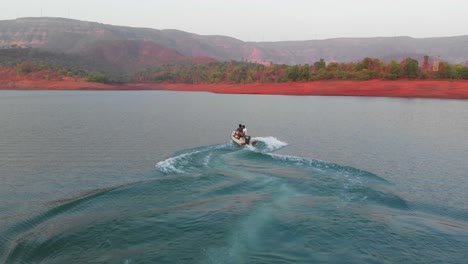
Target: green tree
x=304, y=72
x=42, y=65
x=411, y=68
x=370, y=64
x=98, y=77
x=364, y=75
x=293, y=73
x=320, y=64
x=446, y=71
x=394, y=70
x=25, y=67
x=462, y=71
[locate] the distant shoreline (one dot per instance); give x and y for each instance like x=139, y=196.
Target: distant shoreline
x=442, y=89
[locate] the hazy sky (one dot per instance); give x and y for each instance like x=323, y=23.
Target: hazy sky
x=263, y=20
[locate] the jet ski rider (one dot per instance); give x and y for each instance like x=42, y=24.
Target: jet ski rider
x=244, y=133
x=239, y=131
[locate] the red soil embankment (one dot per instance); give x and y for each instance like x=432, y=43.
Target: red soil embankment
x=400, y=88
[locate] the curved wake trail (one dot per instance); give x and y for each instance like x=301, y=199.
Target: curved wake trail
x=191, y=159
x=227, y=204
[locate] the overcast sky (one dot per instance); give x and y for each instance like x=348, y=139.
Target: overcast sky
x=263, y=20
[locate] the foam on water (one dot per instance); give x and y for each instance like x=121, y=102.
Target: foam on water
x=270, y=144
x=188, y=158
x=325, y=166
x=203, y=155
x=170, y=165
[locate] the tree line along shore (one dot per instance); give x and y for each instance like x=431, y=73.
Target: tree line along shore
x=33, y=64
x=243, y=72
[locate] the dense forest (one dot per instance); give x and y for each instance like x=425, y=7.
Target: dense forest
x=244, y=72
x=26, y=60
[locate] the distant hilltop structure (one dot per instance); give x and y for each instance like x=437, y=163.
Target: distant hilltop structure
x=425, y=66
x=433, y=61
x=435, y=64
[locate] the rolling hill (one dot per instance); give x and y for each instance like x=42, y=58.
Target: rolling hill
x=131, y=49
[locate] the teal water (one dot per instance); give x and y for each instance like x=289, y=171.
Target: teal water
x=151, y=177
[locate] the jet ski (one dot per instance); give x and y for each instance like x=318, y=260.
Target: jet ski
x=242, y=141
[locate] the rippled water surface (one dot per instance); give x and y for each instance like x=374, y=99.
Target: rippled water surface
x=152, y=177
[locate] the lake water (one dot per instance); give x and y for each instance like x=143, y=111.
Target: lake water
x=152, y=177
